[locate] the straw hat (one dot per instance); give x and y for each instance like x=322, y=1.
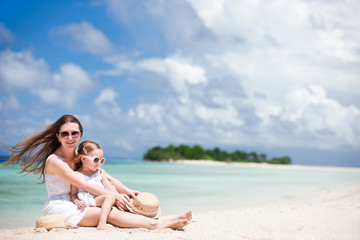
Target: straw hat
x=146, y=204
x=50, y=221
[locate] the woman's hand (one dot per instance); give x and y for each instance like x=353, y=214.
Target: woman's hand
x=132, y=193
x=122, y=202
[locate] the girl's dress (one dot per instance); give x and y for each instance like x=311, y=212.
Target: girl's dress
x=59, y=200
x=85, y=196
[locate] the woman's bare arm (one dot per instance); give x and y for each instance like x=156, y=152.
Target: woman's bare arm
x=55, y=166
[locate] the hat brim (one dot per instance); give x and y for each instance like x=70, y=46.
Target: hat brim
x=50, y=222
x=158, y=214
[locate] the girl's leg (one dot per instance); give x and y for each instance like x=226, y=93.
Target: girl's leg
x=106, y=202
x=91, y=218
x=130, y=220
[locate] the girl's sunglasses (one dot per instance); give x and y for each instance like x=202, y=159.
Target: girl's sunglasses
x=97, y=160
x=74, y=134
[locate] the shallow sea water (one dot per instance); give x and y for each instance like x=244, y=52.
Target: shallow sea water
x=180, y=187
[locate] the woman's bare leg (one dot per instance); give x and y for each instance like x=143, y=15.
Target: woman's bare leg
x=106, y=202
x=130, y=220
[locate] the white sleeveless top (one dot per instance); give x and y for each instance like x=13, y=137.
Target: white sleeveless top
x=59, y=199
x=84, y=195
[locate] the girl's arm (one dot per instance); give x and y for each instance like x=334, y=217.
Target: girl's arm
x=105, y=181
x=54, y=166
x=74, y=196
x=121, y=188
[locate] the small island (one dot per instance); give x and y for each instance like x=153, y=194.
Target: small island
x=196, y=152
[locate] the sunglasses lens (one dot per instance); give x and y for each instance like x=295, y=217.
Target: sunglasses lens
x=75, y=134
x=64, y=134
x=98, y=160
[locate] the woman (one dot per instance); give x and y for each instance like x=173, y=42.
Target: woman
x=51, y=153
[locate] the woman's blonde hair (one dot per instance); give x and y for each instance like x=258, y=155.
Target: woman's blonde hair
x=84, y=148
x=31, y=153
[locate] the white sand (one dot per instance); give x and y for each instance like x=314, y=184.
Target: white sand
x=333, y=214
x=262, y=165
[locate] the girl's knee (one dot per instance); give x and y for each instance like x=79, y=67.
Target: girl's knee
x=110, y=197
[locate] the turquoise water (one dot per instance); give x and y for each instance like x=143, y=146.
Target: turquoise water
x=180, y=187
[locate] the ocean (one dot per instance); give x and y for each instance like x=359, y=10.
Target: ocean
x=180, y=187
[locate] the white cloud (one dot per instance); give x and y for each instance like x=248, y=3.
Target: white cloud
x=6, y=36
x=52, y=96
x=10, y=103
x=72, y=76
x=229, y=73
x=66, y=86
x=153, y=64
x=19, y=70
x=123, y=144
x=83, y=37
x=273, y=53
x=219, y=117
x=167, y=17
x=181, y=72
x=106, y=103
x=149, y=115
x=314, y=112
x=312, y=118
x=266, y=76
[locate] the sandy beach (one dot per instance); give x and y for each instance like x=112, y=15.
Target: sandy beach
x=260, y=165
x=332, y=213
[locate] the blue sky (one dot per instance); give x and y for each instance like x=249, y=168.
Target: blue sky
x=276, y=77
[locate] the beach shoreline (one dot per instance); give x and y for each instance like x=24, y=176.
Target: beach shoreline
x=257, y=165
x=333, y=213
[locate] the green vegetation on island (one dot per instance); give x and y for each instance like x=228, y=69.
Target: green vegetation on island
x=198, y=153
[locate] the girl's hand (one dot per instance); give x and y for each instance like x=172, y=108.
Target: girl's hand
x=122, y=202
x=80, y=204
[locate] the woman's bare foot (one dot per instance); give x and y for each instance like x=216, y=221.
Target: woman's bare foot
x=102, y=227
x=173, y=223
x=180, y=224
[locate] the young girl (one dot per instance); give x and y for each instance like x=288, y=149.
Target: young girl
x=89, y=158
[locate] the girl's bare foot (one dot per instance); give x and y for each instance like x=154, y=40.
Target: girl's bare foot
x=102, y=227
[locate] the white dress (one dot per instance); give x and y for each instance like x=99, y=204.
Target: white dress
x=59, y=200
x=85, y=196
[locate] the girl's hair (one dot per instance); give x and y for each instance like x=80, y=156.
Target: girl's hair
x=31, y=153
x=84, y=148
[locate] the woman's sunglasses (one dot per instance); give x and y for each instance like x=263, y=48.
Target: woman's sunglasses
x=97, y=159
x=74, y=134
